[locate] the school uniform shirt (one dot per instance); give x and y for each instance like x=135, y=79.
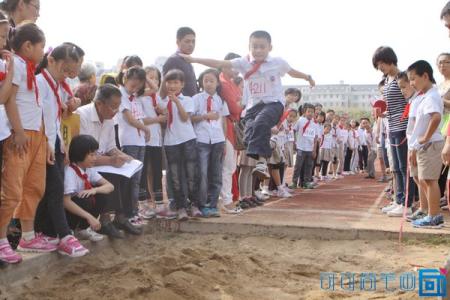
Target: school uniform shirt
x=334, y=135
x=370, y=140
x=73, y=184
x=354, y=133
x=289, y=131
x=103, y=132
x=209, y=132
x=362, y=137
x=342, y=135
x=30, y=110
x=52, y=119
x=319, y=129
x=5, y=130
x=306, y=133
x=414, y=103
x=431, y=103
x=179, y=132
x=129, y=135
x=265, y=84
x=327, y=141
x=149, y=110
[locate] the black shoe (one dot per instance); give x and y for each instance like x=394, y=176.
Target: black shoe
x=243, y=204
x=249, y=202
x=111, y=231
x=128, y=227
x=256, y=201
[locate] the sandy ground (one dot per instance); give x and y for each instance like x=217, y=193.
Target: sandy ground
x=189, y=266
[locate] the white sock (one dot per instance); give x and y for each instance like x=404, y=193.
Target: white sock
x=28, y=236
x=4, y=241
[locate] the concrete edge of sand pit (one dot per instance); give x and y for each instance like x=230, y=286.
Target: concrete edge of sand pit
x=36, y=264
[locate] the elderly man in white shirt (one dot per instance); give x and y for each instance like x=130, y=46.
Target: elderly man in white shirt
x=96, y=120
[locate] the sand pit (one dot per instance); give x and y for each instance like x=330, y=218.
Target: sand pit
x=194, y=266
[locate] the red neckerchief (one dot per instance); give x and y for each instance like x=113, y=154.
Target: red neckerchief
x=55, y=88
x=209, y=105
x=306, y=126
x=66, y=87
x=2, y=76
x=405, y=114
x=153, y=96
x=254, y=69
x=84, y=177
x=132, y=97
x=341, y=127
x=170, y=112
x=31, y=78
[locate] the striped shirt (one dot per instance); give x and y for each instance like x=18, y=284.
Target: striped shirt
x=395, y=106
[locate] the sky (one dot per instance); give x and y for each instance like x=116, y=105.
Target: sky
x=331, y=40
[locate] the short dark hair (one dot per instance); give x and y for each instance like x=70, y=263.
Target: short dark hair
x=446, y=10
x=80, y=146
x=292, y=91
x=261, y=34
x=10, y=6
x=155, y=69
x=184, y=31
x=421, y=67
x=26, y=32
x=318, y=105
x=231, y=56
x=385, y=55
x=402, y=76
x=308, y=106
x=330, y=111
x=215, y=73
x=128, y=62
x=174, y=74
x=105, y=92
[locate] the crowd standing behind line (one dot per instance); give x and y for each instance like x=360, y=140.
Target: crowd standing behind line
x=225, y=139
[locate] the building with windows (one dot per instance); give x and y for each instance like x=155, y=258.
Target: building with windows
x=341, y=97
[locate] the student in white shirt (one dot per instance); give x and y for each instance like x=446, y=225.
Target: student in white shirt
x=6, y=76
x=325, y=151
x=24, y=152
x=133, y=134
x=355, y=157
x=363, y=151
x=372, y=148
x=180, y=145
x=84, y=190
x=263, y=93
x=50, y=219
x=426, y=141
x=306, y=136
x=151, y=177
x=208, y=119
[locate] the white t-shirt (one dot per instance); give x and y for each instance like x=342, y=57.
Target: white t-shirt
x=5, y=130
x=362, y=136
x=209, y=132
x=414, y=103
x=431, y=103
x=289, y=131
x=50, y=107
x=370, y=140
x=342, y=135
x=73, y=184
x=30, y=111
x=129, y=135
x=265, y=84
x=150, y=112
x=103, y=132
x=327, y=141
x=179, y=132
x=306, y=133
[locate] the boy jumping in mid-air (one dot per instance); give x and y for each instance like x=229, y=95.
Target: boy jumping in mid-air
x=263, y=93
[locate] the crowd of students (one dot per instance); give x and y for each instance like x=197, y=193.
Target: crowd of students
x=223, y=140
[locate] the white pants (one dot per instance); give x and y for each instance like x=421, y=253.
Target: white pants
x=229, y=167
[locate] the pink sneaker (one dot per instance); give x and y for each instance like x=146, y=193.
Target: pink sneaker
x=8, y=255
x=166, y=213
x=49, y=239
x=71, y=247
x=38, y=244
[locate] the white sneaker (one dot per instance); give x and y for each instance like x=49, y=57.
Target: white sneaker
x=398, y=211
x=390, y=207
x=89, y=234
x=288, y=189
x=283, y=194
x=262, y=195
x=265, y=190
